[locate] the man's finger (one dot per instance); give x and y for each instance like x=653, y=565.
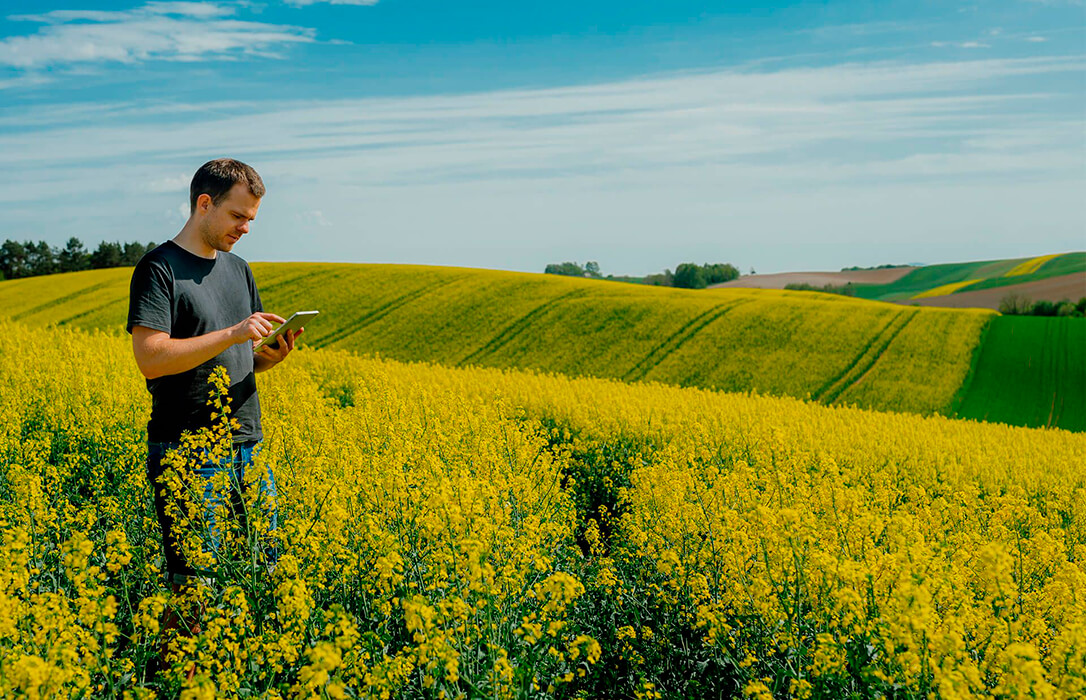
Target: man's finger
x=275, y=317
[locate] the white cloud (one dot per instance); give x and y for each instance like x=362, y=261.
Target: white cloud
x=1036, y=39
x=314, y=216
x=23, y=81
x=962, y=44
x=171, y=183
x=680, y=162
x=303, y=3
x=705, y=117
x=179, y=31
x=177, y=215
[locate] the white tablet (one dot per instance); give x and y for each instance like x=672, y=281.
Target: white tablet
x=292, y=324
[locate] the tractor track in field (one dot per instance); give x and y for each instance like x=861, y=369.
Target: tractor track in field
x=71, y=319
x=381, y=312
x=62, y=300
x=846, y=383
x=817, y=395
x=517, y=327
x=291, y=280
x=677, y=339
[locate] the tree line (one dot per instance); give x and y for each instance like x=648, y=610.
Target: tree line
x=686, y=275
x=845, y=289
x=1015, y=304
x=29, y=259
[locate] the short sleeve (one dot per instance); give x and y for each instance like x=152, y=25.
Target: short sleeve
x=254, y=294
x=150, y=297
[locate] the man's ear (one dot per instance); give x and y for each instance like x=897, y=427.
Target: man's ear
x=203, y=203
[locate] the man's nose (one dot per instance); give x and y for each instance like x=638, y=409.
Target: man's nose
x=244, y=228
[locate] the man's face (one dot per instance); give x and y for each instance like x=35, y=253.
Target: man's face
x=224, y=224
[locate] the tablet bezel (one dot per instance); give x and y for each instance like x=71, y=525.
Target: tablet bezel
x=296, y=321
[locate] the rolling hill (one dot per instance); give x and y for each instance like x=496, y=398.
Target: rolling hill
x=828, y=348
x=980, y=284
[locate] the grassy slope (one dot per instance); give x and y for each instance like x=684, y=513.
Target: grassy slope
x=989, y=272
x=931, y=276
x=1063, y=265
x=829, y=347
x=1030, y=371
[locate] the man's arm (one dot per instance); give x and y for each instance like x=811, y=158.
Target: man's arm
x=158, y=355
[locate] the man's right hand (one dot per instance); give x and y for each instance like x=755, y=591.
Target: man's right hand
x=256, y=327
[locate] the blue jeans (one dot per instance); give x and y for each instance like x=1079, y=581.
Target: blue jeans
x=178, y=570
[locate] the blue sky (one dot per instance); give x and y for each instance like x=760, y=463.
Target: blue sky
x=780, y=136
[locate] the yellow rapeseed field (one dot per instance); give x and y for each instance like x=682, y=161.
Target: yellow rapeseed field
x=827, y=347
x=1030, y=266
x=494, y=533
x=944, y=289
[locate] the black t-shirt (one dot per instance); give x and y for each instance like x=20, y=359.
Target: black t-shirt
x=186, y=296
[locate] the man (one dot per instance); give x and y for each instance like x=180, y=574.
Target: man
x=194, y=306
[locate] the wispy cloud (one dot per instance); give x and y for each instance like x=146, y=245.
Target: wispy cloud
x=783, y=116
x=303, y=3
x=170, y=183
x=177, y=31
x=962, y=44
x=843, y=149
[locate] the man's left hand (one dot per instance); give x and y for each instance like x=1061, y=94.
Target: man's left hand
x=279, y=352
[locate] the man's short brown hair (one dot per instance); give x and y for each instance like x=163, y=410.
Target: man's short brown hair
x=216, y=178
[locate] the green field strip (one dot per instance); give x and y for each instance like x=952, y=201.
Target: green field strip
x=1031, y=371
x=657, y=355
x=921, y=280
x=507, y=334
x=970, y=375
x=1068, y=264
x=859, y=371
x=817, y=394
x=999, y=268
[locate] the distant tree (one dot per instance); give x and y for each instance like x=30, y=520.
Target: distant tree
x=13, y=261
x=660, y=279
x=1080, y=307
x=133, y=252
x=845, y=289
x=569, y=269
x=73, y=257
x=1044, y=308
x=689, y=276
x=719, y=272
x=1014, y=304
x=887, y=266
x=41, y=259
x=107, y=255
x=592, y=269
x=1066, y=307
x=752, y=271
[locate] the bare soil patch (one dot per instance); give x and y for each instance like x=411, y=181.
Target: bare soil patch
x=1071, y=287
x=819, y=279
